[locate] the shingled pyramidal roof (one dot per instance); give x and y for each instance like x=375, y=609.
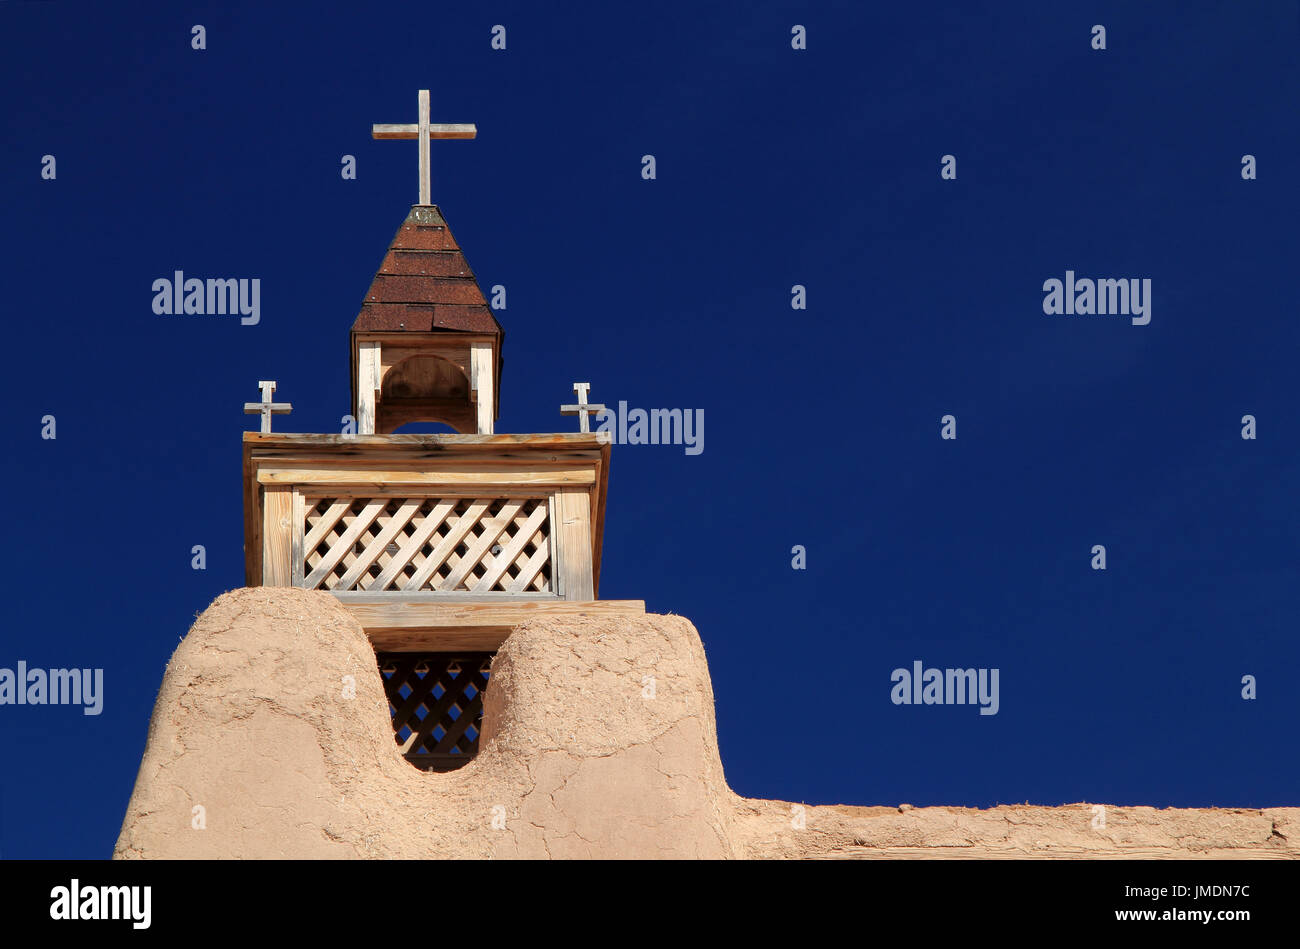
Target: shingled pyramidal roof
x=425, y=284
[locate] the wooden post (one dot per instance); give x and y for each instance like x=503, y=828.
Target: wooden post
x=573, y=512
x=483, y=383
x=277, y=536
x=367, y=386
x=297, y=562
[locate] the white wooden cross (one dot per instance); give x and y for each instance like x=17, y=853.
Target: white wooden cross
x=583, y=408
x=267, y=407
x=422, y=131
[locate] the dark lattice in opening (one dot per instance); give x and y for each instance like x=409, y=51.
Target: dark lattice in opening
x=436, y=699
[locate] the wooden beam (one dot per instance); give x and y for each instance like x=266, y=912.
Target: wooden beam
x=371, y=477
x=394, y=413
x=435, y=441
x=442, y=639
x=405, y=623
x=406, y=491
x=390, y=131
x=451, y=461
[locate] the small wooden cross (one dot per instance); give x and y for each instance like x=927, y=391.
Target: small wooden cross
x=266, y=407
x=422, y=131
x=582, y=409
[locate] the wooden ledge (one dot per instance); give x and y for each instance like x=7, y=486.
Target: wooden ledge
x=414, y=624
x=437, y=441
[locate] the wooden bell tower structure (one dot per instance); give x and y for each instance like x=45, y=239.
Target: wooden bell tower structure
x=425, y=346
x=438, y=544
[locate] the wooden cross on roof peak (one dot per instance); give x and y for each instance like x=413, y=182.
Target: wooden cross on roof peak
x=266, y=407
x=422, y=131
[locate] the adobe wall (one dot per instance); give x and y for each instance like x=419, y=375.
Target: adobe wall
x=253, y=725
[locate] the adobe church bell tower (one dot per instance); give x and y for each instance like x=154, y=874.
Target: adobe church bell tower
x=439, y=545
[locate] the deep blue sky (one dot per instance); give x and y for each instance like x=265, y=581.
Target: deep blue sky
x=775, y=168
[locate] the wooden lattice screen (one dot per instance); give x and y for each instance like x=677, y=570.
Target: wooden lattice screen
x=437, y=704
x=453, y=545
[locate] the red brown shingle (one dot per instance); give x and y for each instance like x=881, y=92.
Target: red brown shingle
x=425, y=284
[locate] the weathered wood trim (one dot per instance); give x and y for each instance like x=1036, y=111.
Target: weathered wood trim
x=423, y=461
x=447, y=599
x=447, y=441
x=314, y=492
x=573, y=528
x=296, y=549
x=252, y=524
x=440, y=639
x=482, y=381
x=277, y=537
x=482, y=475
x=413, y=622
x=557, y=580
x=367, y=387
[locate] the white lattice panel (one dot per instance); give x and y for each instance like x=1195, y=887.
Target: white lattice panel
x=446, y=545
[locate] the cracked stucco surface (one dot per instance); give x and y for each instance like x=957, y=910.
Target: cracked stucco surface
x=577, y=760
